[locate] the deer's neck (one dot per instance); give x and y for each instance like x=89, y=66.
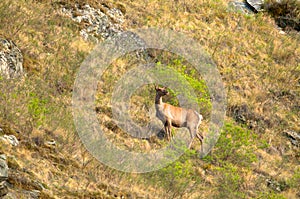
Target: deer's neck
x=158, y=99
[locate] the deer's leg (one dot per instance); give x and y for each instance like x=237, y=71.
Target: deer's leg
x=168, y=130
x=200, y=137
x=192, y=133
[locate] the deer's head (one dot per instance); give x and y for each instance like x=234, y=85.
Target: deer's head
x=161, y=91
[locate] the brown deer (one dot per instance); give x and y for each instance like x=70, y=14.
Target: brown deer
x=176, y=116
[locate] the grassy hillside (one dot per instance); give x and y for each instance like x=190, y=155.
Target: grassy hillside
x=260, y=69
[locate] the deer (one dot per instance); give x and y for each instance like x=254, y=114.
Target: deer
x=176, y=116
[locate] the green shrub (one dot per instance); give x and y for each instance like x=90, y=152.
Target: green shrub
x=295, y=180
x=230, y=182
x=37, y=108
x=270, y=195
x=235, y=145
x=178, y=177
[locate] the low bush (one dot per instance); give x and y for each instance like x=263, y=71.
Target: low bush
x=285, y=12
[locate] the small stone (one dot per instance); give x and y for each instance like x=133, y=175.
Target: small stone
x=34, y=194
x=87, y=7
x=3, y=157
x=282, y=32
x=40, y=186
x=3, y=189
x=278, y=186
x=293, y=137
x=51, y=143
x=11, y=139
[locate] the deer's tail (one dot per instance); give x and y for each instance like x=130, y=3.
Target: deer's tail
x=200, y=117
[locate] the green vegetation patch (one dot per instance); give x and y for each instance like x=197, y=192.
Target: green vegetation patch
x=236, y=145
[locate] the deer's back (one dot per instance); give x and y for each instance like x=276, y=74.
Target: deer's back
x=180, y=117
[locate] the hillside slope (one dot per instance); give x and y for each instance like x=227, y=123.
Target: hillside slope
x=255, y=157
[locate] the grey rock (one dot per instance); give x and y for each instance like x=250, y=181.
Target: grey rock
x=34, y=194
x=3, y=168
x=11, y=59
x=39, y=186
x=3, y=175
x=293, y=137
x=84, y=34
x=3, y=157
x=3, y=189
x=10, y=195
x=256, y=4
x=52, y=142
x=278, y=186
x=96, y=23
x=11, y=139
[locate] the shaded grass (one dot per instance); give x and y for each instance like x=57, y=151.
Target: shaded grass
x=286, y=13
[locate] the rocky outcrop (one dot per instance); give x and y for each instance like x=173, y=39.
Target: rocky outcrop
x=11, y=59
x=239, y=6
x=3, y=175
x=97, y=23
x=285, y=13
x=257, y=5
x=247, y=6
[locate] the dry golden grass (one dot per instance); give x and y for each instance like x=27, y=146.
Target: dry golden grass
x=259, y=67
